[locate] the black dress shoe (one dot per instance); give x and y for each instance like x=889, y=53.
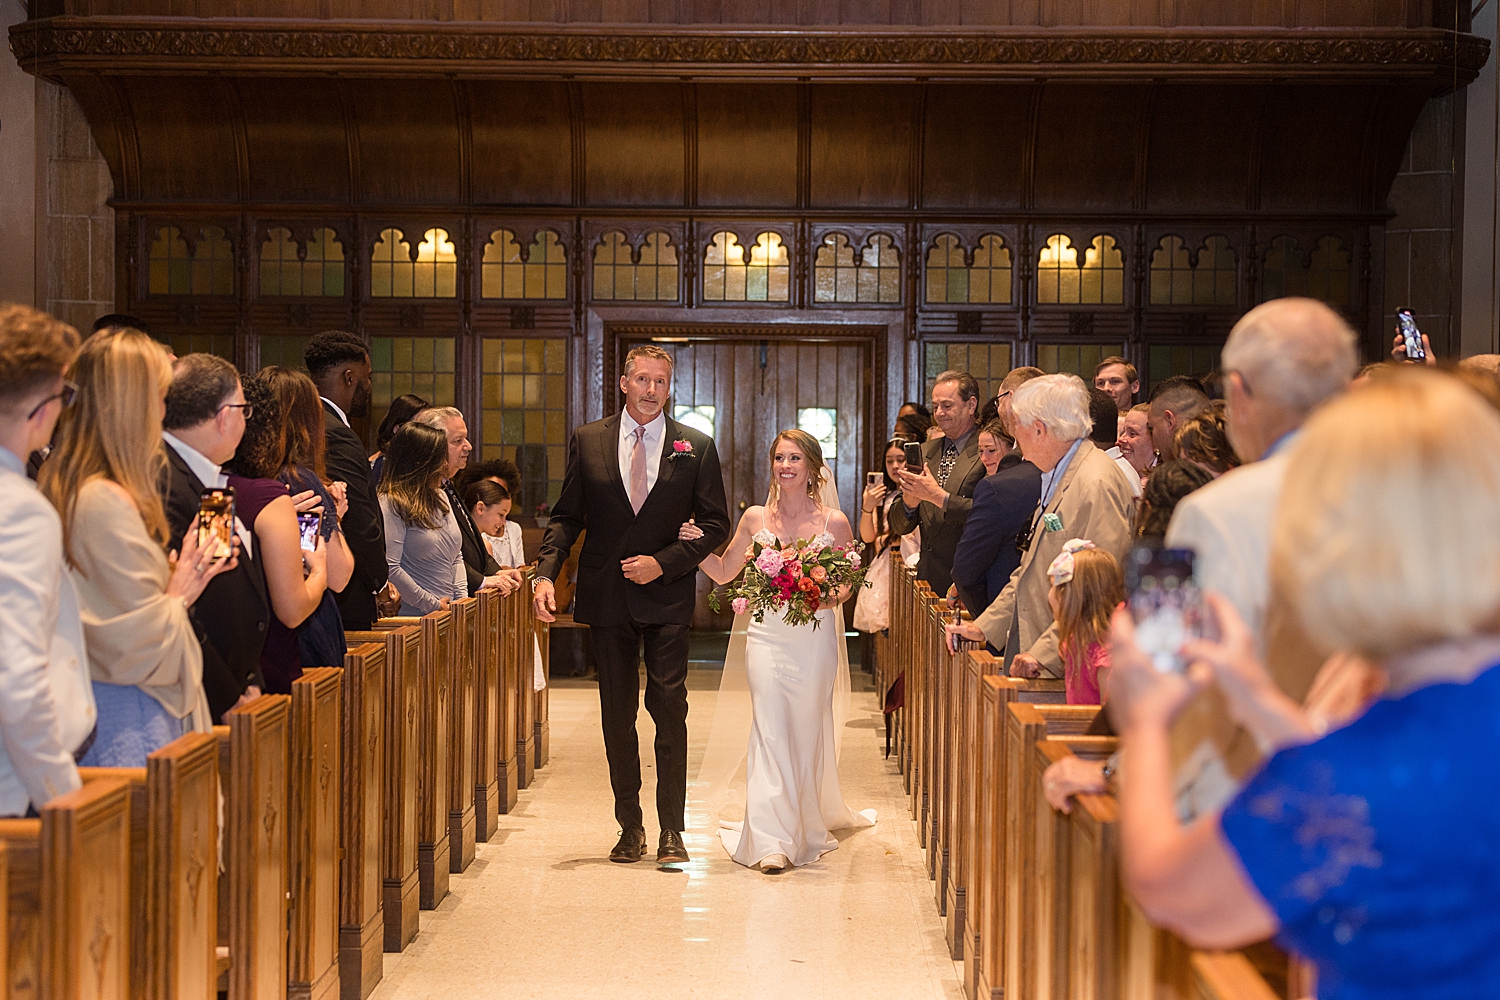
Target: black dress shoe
x=631, y=846
x=671, y=852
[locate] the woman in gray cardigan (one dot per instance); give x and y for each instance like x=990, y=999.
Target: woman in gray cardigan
x=423, y=546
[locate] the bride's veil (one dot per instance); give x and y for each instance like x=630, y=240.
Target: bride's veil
x=719, y=787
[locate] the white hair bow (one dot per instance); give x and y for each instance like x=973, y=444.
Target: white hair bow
x=1061, y=570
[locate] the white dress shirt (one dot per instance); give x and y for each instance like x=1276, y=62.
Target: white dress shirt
x=336, y=409
x=46, y=700
x=1113, y=451
x=654, y=431
x=211, y=476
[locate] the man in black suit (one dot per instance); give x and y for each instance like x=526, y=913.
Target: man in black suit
x=339, y=364
x=479, y=566
x=632, y=480
x=938, y=496
x=204, y=422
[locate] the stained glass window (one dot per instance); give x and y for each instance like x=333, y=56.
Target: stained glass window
x=421, y=365
x=619, y=276
x=1098, y=280
x=1078, y=359
x=1284, y=272
x=221, y=344
x=1328, y=277
x=432, y=275
x=524, y=413
x=1181, y=359
x=728, y=276
x=287, y=270
x=873, y=275
x=543, y=274
x=1177, y=280
x=951, y=279
x=172, y=269
x=988, y=363
x=284, y=350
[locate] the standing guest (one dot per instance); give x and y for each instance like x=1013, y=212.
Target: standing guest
x=938, y=496
x=1087, y=586
x=110, y=322
x=911, y=407
x=995, y=445
x=339, y=364
x=1106, y=436
x=423, y=541
x=1369, y=848
x=1134, y=442
x=1164, y=491
x=1082, y=495
x=402, y=409
x=479, y=565
x=1204, y=441
x=1119, y=378
x=48, y=704
x=133, y=597
x=913, y=427
x=320, y=638
x=872, y=606
x=295, y=577
x=986, y=555
x=204, y=422
x=1174, y=401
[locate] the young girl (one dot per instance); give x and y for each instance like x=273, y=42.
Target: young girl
x=1087, y=586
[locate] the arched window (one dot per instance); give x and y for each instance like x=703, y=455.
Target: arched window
x=1328, y=277
x=729, y=277
x=432, y=275
x=1076, y=359
x=1098, y=280
x=618, y=276
x=950, y=279
x=208, y=269
x=542, y=274
x=286, y=269
x=874, y=276
x=1176, y=280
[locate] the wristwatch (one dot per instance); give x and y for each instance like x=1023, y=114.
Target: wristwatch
x=1111, y=768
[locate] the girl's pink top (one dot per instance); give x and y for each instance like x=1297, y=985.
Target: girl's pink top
x=1081, y=674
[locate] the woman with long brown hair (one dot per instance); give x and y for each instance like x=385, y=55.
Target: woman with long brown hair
x=423, y=545
x=133, y=593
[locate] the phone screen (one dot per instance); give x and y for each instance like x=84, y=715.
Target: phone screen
x=216, y=521
x=1165, y=602
x=309, y=526
x=1411, y=337
x=913, y=452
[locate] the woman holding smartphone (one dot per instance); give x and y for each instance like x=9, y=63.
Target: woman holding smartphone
x=872, y=606
x=296, y=578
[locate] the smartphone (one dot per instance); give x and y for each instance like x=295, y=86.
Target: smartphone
x=913, y=450
x=216, y=521
x=309, y=526
x=874, y=478
x=1411, y=337
x=1165, y=602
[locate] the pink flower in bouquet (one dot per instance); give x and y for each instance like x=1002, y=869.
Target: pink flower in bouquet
x=854, y=560
x=789, y=554
x=769, y=562
x=818, y=573
x=795, y=568
x=740, y=605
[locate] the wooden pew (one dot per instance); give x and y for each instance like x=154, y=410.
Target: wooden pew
x=67, y=906
x=314, y=777
x=399, y=893
x=543, y=697
x=140, y=885
x=487, y=699
x=923, y=753
x=509, y=767
x=253, y=748
x=362, y=807
x=522, y=655
x=464, y=701
x=963, y=908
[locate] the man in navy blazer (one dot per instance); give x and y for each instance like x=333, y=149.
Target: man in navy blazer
x=1004, y=505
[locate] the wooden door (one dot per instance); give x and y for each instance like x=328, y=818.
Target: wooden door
x=744, y=390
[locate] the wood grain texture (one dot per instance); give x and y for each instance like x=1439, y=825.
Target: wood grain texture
x=314, y=775
x=487, y=699
x=461, y=733
x=361, y=819
x=181, y=899
x=85, y=893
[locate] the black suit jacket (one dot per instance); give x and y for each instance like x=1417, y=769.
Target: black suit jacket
x=363, y=526
x=478, y=563
x=986, y=555
x=593, y=497
x=230, y=617
x=942, y=526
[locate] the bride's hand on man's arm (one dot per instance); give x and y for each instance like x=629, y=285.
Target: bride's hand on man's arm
x=689, y=532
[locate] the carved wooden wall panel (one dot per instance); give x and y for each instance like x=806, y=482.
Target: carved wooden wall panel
x=974, y=145
x=294, y=157
x=408, y=148
x=1088, y=167
x=522, y=142
x=861, y=145
x=634, y=144
x=747, y=145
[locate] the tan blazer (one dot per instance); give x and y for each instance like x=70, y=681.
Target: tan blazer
x=1094, y=501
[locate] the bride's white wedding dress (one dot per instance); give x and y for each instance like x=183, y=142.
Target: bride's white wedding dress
x=792, y=794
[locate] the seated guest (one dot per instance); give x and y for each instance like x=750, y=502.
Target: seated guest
x=1106, y=435
x=424, y=547
x=1087, y=586
x=1164, y=490
x=1004, y=502
x=295, y=577
x=402, y=409
x=479, y=565
x=48, y=704
x=1174, y=401
x=487, y=503
x=204, y=421
x=320, y=638
x=1134, y=442
x=1366, y=849
x=133, y=599
x=1204, y=441
x=1082, y=495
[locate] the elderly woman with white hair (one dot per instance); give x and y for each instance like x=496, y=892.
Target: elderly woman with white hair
x=1084, y=495
x=1368, y=849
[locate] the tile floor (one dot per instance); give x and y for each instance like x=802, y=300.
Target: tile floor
x=542, y=913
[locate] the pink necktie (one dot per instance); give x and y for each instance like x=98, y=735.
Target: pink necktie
x=638, y=470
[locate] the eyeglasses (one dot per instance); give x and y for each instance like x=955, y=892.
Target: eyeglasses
x=67, y=395
x=246, y=409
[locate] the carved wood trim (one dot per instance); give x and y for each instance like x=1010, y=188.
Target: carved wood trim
x=60, y=44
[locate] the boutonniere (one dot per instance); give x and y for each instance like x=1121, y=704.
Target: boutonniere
x=681, y=449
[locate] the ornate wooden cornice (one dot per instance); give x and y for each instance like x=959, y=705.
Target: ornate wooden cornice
x=57, y=46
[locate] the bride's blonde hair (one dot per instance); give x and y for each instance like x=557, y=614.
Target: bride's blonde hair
x=812, y=451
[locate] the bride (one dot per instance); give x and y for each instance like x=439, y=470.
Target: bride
x=792, y=795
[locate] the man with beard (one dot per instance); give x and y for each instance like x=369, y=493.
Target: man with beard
x=339, y=364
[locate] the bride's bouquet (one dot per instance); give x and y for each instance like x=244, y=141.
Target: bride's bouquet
x=795, y=580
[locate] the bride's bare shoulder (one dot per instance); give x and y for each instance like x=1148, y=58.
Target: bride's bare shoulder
x=754, y=517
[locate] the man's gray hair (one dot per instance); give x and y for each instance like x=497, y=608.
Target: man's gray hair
x=1294, y=353
x=438, y=417
x=1060, y=402
x=968, y=385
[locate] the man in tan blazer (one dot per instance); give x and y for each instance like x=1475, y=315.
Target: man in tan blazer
x=1084, y=495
